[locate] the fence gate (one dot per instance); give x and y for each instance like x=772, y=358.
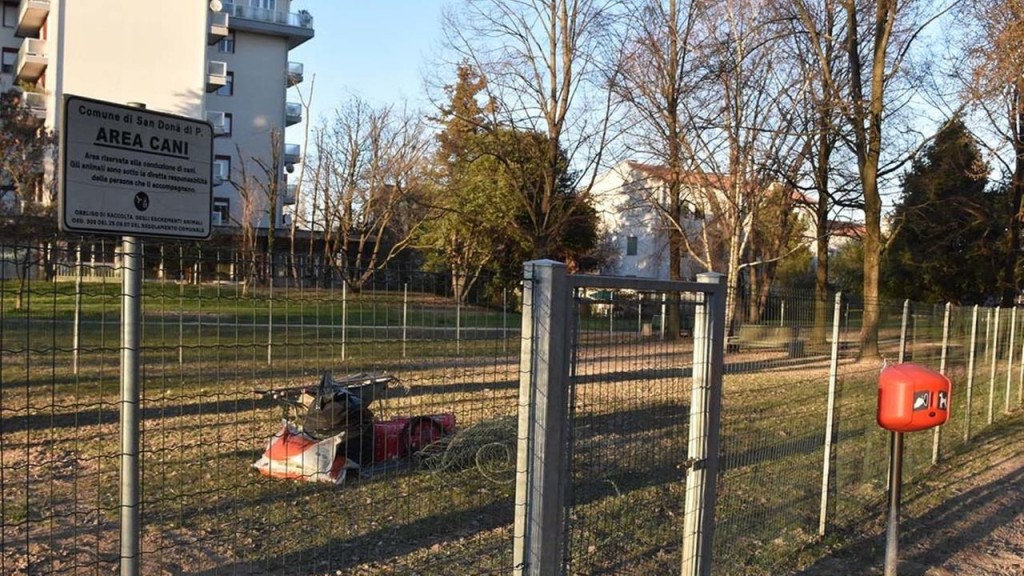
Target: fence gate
x=618, y=423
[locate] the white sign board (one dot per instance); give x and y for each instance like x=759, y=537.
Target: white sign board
x=134, y=172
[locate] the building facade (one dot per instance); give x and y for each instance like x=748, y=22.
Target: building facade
x=208, y=59
x=625, y=197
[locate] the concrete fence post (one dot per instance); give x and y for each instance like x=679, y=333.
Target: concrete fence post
x=705, y=418
x=542, y=469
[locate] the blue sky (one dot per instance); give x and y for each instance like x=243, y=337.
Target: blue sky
x=376, y=49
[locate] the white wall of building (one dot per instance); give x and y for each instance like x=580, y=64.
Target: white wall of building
x=622, y=199
x=259, y=65
x=128, y=51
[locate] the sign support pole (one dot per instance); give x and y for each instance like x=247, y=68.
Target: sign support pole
x=130, y=172
x=131, y=287
x=895, y=484
x=131, y=275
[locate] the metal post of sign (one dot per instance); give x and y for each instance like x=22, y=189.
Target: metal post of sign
x=895, y=480
x=131, y=287
x=94, y=198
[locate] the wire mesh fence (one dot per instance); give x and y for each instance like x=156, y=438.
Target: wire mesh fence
x=630, y=428
x=207, y=344
x=212, y=335
x=777, y=493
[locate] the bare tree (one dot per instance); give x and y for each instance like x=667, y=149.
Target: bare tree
x=743, y=133
x=816, y=48
x=992, y=76
x=253, y=203
x=371, y=167
x=306, y=102
x=876, y=64
x=653, y=74
x=538, y=59
x=259, y=189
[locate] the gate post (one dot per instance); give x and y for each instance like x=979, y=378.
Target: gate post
x=541, y=453
x=705, y=418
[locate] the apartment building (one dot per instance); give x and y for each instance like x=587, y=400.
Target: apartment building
x=226, y=62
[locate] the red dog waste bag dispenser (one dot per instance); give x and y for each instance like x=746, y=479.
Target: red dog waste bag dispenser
x=912, y=397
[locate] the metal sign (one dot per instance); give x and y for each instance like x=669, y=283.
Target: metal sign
x=129, y=171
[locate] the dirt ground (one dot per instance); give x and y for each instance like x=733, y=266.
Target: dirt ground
x=965, y=519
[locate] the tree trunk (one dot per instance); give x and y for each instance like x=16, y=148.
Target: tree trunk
x=1013, y=221
x=872, y=261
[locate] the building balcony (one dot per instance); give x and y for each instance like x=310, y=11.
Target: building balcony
x=295, y=28
x=31, y=62
x=292, y=113
x=219, y=29
x=294, y=73
x=292, y=154
x=289, y=195
x=216, y=75
x=219, y=121
x=31, y=17
x=35, y=103
x=220, y=173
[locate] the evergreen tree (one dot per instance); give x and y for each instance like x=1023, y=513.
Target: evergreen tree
x=491, y=190
x=946, y=247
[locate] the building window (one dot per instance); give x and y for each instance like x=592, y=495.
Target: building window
x=630, y=245
x=10, y=14
x=227, y=44
x=227, y=123
x=221, y=169
x=221, y=211
x=229, y=87
x=10, y=56
x=265, y=4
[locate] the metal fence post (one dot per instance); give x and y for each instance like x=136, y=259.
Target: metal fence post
x=970, y=374
x=344, y=317
x=1009, y=358
x=992, y=369
x=541, y=466
x=1020, y=382
x=937, y=434
x=405, y=318
x=903, y=331
x=833, y=375
x=270, y=312
x=705, y=417
x=77, y=328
